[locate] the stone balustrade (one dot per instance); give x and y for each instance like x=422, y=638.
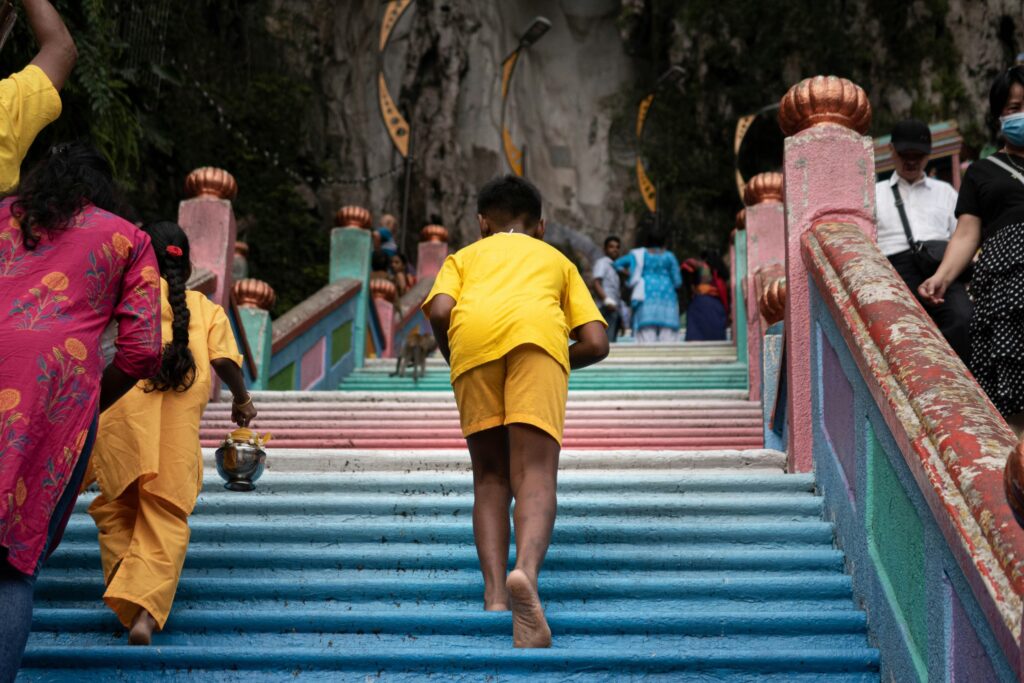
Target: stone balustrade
x=907, y=451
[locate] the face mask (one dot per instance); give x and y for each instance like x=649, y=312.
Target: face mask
x=1013, y=129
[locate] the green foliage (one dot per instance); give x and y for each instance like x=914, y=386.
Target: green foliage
x=136, y=95
x=743, y=55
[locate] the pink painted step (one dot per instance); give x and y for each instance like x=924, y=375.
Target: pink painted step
x=653, y=425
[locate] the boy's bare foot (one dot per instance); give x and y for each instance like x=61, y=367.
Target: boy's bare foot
x=529, y=627
x=142, y=628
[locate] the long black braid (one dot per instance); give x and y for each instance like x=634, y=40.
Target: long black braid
x=178, y=368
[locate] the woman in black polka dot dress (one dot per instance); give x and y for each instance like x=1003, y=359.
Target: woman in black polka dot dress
x=990, y=214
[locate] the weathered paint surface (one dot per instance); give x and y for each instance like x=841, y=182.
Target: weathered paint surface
x=902, y=658
x=829, y=171
x=739, y=309
x=312, y=368
x=350, y=258
x=953, y=440
x=837, y=399
x=430, y=257
x=766, y=245
x=771, y=369
x=896, y=543
x=210, y=226
x=967, y=659
x=257, y=326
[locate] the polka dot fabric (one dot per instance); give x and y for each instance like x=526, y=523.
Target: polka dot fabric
x=997, y=326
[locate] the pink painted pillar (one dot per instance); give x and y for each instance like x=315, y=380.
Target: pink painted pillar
x=209, y=223
x=766, y=244
x=433, y=250
x=430, y=257
x=829, y=176
x=386, y=316
x=734, y=300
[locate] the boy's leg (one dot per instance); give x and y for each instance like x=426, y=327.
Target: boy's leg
x=492, y=496
x=533, y=469
x=534, y=475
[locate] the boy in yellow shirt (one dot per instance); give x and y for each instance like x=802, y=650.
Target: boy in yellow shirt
x=503, y=310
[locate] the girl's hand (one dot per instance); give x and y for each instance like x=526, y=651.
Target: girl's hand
x=243, y=413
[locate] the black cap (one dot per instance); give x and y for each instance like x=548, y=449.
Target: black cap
x=912, y=136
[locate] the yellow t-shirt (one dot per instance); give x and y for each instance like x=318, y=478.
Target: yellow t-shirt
x=28, y=103
x=511, y=289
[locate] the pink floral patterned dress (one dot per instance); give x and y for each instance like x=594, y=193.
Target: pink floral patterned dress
x=55, y=302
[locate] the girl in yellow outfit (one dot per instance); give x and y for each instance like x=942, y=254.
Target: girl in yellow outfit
x=147, y=459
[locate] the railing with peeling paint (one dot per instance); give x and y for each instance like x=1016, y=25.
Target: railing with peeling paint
x=907, y=450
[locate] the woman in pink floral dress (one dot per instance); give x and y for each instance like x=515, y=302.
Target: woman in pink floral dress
x=68, y=266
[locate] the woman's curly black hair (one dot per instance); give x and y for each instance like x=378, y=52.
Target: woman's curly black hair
x=178, y=367
x=59, y=186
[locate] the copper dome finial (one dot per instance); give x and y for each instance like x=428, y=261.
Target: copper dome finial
x=252, y=293
x=381, y=288
x=353, y=217
x=764, y=187
x=434, y=233
x=773, y=301
x=741, y=219
x=824, y=100
x=211, y=182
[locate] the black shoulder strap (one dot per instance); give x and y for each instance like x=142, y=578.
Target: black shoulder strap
x=903, y=216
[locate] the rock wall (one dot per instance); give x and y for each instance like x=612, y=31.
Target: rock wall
x=443, y=68
x=572, y=97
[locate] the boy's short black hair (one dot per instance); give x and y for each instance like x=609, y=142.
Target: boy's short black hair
x=611, y=238
x=512, y=196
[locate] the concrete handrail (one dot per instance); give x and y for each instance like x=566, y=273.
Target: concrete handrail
x=952, y=438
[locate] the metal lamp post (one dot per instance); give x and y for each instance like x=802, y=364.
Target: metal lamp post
x=396, y=123
x=647, y=189
x=515, y=156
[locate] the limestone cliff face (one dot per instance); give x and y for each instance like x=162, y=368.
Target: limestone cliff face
x=570, y=89
x=443, y=68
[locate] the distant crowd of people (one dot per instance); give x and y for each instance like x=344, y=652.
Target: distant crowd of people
x=638, y=292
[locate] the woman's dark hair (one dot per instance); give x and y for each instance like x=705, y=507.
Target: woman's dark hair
x=715, y=262
x=178, y=367
x=654, y=239
x=59, y=186
x=1000, y=93
x=402, y=258
x=379, y=260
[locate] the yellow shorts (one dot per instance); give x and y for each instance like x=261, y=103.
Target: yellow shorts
x=525, y=386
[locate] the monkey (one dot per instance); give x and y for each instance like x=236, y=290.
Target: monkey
x=415, y=349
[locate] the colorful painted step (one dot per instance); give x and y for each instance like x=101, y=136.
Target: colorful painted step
x=682, y=366
x=365, y=569
x=680, y=420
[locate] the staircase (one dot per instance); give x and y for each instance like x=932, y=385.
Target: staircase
x=672, y=558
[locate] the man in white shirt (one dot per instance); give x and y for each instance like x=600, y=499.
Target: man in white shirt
x=929, y=205
x=607, y=287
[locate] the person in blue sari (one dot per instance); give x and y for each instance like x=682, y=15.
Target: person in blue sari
x=654, y=276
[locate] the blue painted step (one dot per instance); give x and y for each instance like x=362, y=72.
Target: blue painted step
x=659, y=574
